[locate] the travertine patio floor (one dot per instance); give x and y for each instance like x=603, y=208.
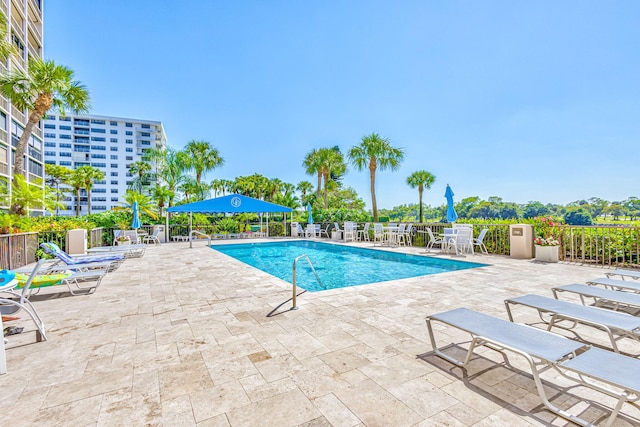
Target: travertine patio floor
x=182, y=337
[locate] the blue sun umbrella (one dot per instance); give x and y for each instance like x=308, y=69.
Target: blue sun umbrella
x=135, y=223
x=451, y=212
x=310, y=216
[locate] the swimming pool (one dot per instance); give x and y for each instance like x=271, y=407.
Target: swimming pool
x=338, y=266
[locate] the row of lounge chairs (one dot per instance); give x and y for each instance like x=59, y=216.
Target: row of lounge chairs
x=605, y=371
x=82, y=274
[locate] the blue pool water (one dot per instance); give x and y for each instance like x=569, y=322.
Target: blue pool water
x=338, y=266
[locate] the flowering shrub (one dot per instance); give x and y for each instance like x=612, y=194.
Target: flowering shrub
x=545, y=228
x=549, y=241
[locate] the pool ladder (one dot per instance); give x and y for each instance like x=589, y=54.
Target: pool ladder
x=294, y=269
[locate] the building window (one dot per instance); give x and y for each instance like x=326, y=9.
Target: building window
x=62, y=136
x=64, y=154
x=114, y=199
x=129, y=141
x=97, y=130
x=65, y=145
x=114, y=183
x=98, y=147
x=50, y=153
x=98, y=156
x=99, y=165
x=146, y=126
x=49, y=126
x=50, y=117
x=129, y=133
x=99, y=190
x=113, y=131
x=129, y=125
x=129, y=150
x=113, y=148
x=98, y=139
x=145, y=134
x=63, y=127
x=114, y=173
x=97, y=122
x=114, y=165
x=65, y=119
x=114, y=157
x=49, y=162
x=112, y=123
x=64, y=163
x=80, y=149
x=49, y=135
x=129, y=158
x=49, y=144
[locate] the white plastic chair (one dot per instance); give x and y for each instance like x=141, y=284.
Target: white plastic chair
x=350, y=231
x=464, y=240
x=153, y=238
x=433, y=240
x=378, y=233
x=363, y=235
x=479, y=241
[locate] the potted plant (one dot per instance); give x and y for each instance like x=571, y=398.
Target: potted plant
x=547, y=249
x=122, y=239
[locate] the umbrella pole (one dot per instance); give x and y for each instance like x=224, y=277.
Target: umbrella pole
x=190, y=225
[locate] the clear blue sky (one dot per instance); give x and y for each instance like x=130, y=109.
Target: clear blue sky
x=517, y=99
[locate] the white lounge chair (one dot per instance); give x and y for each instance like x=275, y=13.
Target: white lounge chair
x=616, y=285
x=552, y=312
x=600, y=297
x=479, y=241
x=633, y=274
x=601, y=370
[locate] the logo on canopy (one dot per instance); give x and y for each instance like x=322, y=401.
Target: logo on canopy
x=236, y=202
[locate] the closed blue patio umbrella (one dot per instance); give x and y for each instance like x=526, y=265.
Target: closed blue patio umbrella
x=135, y=223
x=451, y=212
x=310, y=214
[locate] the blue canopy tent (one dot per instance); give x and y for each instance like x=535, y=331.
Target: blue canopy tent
x=233, y=203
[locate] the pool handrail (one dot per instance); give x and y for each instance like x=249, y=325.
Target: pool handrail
x=295, y=290
x=196, y=232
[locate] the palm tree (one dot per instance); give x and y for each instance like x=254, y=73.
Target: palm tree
x=76, y=181
x=161, y=194
x=375, y=152
x=331, y=162
x=201, y=157
x=145, y=204
x=89, y=174
x=313, y=166
x=421, y=179
x=57, y=175
x=217, y=185
x=172, y=171
x=46, y=85
x=141, y=170
x=29, y=195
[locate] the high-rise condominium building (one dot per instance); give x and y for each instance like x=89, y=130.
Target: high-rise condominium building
x=24, y=26
x=110, y=144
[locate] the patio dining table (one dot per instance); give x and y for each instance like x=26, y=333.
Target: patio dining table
x=390, y=237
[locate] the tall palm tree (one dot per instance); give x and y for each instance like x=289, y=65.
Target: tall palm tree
x=313, y=166
x=141, y=171
x=375, y=152
x=145, y=204
x=88, y=175
x=217, y=185
x=201, y=157
x=331, y=162
x=172, y=170
x=421, y=179
x=46, y=85
x=161, y=194
x=56, y=175
x=76, y=181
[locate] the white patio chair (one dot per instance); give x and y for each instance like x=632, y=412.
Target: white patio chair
x=153, y=238
x=433, y=240
x=449, y=239
x=378, y=233
x=464, y=240
x=479, y=241
x=400, y=237
x=325, y=231
x=350, y=231
x=363, y=235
